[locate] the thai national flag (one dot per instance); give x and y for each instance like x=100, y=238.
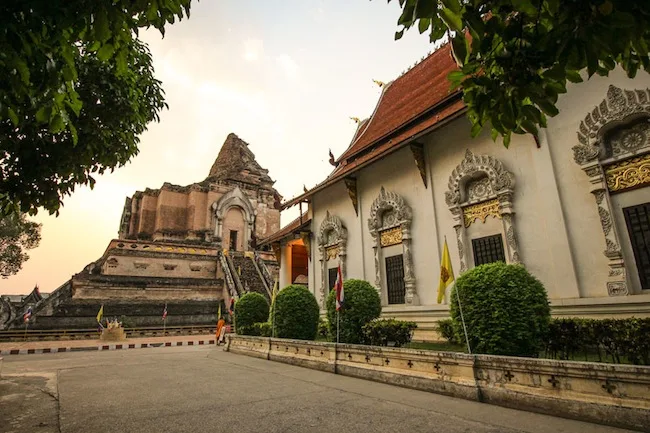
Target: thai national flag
x=27, y=315
x=338, y=287
x=165, y=312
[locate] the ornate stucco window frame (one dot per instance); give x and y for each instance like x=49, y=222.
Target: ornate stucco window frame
x=332, y=242
x=619, y=107
x=388, y=201
x=495, y=199
x=234, y=198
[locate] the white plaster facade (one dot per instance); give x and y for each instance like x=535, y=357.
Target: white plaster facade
x=550, y=209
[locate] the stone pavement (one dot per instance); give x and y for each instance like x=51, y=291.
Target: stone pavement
x=37, y=347
x=203, y=388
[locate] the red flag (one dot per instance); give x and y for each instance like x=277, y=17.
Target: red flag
x=165, y=312
x=338, y=287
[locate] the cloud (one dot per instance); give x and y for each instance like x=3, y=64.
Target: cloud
x=253, y=49
x=288, y=65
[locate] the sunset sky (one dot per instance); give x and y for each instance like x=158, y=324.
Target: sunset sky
x=285, y=76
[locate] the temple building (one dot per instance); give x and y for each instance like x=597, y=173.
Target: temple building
x=572, y=204
x=191, y=248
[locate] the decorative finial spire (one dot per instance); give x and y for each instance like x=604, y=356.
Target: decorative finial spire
x=304, y=188
x=356, y=120
x=379, y=83
x=332, y=160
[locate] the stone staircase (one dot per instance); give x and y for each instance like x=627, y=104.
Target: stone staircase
x=245, y=269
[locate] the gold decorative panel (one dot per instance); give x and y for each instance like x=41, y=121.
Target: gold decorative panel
x=391, y=237
x=481, y=211
x=332, y=252
x=631, y=173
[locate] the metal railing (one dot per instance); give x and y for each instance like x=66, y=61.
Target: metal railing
x=91, y=334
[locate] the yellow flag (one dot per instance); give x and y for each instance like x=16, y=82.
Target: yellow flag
x=219, y=313
x=446, y=273
x=100, y=314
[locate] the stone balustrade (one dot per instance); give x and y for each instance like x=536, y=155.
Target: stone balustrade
x=616, y=395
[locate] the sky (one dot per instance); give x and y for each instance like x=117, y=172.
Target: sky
x=284, y=75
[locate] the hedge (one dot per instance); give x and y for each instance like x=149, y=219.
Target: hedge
x=506, y=310
x=621, y=339
x=361, y=305
x=261, y=329
x=382, y=332
x=249, y=309
x=296, y=313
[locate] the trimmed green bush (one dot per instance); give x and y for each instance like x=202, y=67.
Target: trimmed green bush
x=249, y=309
x=261, y=329
x=382, y=332
x=506, y=310
x=361, y=305
x=296, y=313
x=615, y=338
x=446, y=330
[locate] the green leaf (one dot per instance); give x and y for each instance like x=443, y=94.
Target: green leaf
x=453, y=5
x=43, y=114
x=476, y=129
x=399, y=34
x=73, y=133
x=573, y=76
x=506, y=139
x=424, y=24
x=13, y=116
x=100, y=25
x=456, y=78
x=105, y=52
x=57, y=125
x=525, y=6
x=460, y=48
x=494, y=134
x=529, y=127
x=22, y=69
x=547, y=107
x=451, y=19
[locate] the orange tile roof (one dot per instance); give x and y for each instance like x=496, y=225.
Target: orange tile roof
x=415, y=103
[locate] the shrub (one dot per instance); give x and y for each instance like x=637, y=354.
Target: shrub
x=617, y=338
x=249, y=309
x=296, y=313
x=260, y=329
x=506, y=310
x=323, y=328
x=361, y=305
x=381, y=332
x=445, y=328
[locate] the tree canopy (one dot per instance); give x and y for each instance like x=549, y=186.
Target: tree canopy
x=77, y=88
x=515, y=57
x=17, y=234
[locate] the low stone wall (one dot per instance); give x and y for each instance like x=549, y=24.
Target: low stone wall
x=616, y=395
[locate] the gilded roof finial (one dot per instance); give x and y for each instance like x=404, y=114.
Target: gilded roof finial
x=379, y=83
x=356, y=120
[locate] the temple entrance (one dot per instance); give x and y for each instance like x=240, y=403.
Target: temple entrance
x=233, y=240
x=298, y=262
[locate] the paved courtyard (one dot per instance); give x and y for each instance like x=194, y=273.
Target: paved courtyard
x=204, y=389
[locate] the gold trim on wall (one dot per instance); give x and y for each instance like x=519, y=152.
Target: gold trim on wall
x=481, y=211
x=332, y=252
x=390, y=237
x=631, y=173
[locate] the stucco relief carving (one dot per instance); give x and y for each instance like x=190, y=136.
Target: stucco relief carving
x=618, y=106
x=617, y=129
x=480, y=186
x=474, y=167
x=389, y=210
x=332, y=243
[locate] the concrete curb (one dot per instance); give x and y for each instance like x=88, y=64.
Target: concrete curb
x=121, y=346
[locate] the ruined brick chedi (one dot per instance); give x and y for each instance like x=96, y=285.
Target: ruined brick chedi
x=189, y=247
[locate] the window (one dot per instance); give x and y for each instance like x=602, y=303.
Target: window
x=395, y=279
x=488, y=250
x=331, y=278
x=637, y=219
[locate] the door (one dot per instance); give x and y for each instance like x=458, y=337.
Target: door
x=233, y=240
x=637, y=219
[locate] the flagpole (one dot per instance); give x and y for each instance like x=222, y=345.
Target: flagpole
x=462, y=319
x=338, y=322
x=25, y=336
